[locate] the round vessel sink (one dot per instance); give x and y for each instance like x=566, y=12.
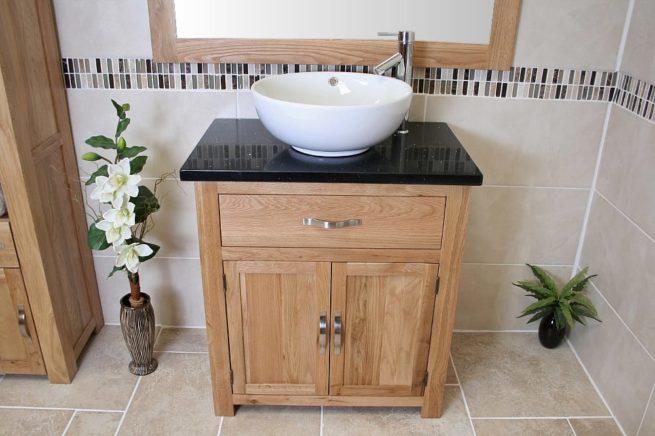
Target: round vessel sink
x=331, y=113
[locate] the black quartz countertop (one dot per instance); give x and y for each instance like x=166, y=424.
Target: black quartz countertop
x=243, y=150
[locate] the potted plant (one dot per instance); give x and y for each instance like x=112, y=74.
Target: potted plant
x=122, y=224
x=558, y=308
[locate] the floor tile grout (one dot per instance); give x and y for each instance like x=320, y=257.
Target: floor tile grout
x=220, y=426
x=74, y=409
x=320, y=429
x=643, y=417
x=571, y=426
x=543, y=418
x=461, y=390
x=70, y=421
x=129, y=403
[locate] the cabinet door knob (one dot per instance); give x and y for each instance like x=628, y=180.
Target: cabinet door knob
x=22, y=323
x=337, y=333
x=322, y=329
x=315, y=222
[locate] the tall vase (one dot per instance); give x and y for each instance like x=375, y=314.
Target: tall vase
x=138, y=326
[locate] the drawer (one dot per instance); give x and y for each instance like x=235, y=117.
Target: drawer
x=279, y=221
x=8, y=257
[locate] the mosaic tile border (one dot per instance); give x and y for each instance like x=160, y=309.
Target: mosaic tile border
x=519, y=82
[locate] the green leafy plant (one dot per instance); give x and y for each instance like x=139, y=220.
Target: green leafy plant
x=127, y=205
x=567, y=304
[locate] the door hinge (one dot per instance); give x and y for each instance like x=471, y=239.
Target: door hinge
x=436, y=287
x=425, y=378
x=224, y=284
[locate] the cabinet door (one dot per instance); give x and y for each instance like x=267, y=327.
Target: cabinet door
x=19, y=347
x=385, y=312
x=274, y=310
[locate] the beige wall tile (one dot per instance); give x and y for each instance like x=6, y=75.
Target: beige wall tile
x=94, y=424
x=512, y=375
x=175, y=229
x=366, y=421
x=648, y=426
x=102, y=381
x=182, y=340
x=169, y=123
x=618, y=365
x=626, y=172
x=174, y=400
x=595, y=427
x=623, y=257
x=174, y=284
x=417, y=108
x=525, y=142
x=522, y=427
x=33, y=422
x=246, y=105
x=88, y=29
x=262, y=420
x=488, y=301
x=571, y=34
x=519, y=225
x=639, y=55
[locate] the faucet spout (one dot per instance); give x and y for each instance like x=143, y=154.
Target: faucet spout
x=395, y=60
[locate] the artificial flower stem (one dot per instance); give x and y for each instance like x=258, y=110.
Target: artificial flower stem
x=136, y=300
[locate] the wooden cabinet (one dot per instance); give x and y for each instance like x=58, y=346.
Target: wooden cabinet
x=43, y=251
x=330, y=294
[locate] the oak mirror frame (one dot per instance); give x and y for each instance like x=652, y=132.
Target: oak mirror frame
x=497, y=54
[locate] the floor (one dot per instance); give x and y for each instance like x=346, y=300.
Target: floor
x=498, y=384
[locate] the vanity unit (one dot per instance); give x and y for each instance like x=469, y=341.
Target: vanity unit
x=330, y=281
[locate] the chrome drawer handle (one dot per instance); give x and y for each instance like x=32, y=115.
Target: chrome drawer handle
x=22, y=323
x=315, y=222
x=322, y=328
x=337, y=333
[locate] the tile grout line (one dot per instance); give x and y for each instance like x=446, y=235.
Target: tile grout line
x=461, y=390
x=624, y=215
x=643, y=417
x=593, y=383
x=70, y=421
x=61, y=408
x=624, y=35
x=220, y=426
x=545, y=418
x=320, y=429
x=493, y=331
x=592, y=189
x=623, y=322
x=129, y=403
x=571, y=427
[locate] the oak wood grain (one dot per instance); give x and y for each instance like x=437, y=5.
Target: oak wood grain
x=328, y=400
x=8, y=256
x=277, y=221
x=297, y=254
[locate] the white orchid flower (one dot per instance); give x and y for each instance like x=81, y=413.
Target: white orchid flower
x=123, y=216
x=128, y=256
x=115, y=234
x=99, y=191
x=120, y=183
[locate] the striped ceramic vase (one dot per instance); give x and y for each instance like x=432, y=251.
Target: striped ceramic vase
x=138, y=326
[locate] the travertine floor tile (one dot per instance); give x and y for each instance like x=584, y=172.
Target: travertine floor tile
x=522, y=427
x=94, y=424
x=32, y=422
x=596, y=427
x=451, y=378
x=273, y=421
x=396, y=421
x=182, y=340
x=511, y=374
x=102, y=381
x=174, y=400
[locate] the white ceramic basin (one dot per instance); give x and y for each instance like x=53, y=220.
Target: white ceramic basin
x=331, y=113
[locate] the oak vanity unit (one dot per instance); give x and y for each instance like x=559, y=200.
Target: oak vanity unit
x=330, y=281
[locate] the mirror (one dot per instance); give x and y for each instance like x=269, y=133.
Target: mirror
x=450, y=33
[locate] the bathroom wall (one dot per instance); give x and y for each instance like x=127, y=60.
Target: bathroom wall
x=620, y=242
x=537, y=150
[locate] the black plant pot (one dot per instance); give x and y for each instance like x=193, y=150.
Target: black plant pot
x=549, y=335
x=138, y=326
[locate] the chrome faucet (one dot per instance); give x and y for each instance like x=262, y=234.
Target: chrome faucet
x=403, y=63
x=401, y=60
